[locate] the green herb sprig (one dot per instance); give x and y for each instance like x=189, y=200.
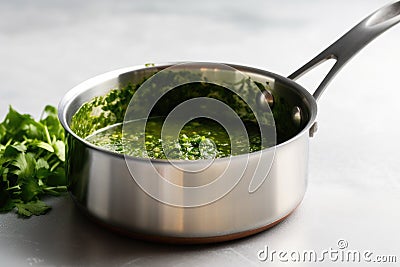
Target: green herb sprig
x=32, y=156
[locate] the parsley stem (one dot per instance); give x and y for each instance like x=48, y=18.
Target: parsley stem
x=61, y=187
x=8, y=142
x=54, y=166
x=14, y=187
x=39, y=153
x=48, y=156
x=47, y=134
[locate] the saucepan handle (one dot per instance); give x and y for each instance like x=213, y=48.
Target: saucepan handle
x=353, y=41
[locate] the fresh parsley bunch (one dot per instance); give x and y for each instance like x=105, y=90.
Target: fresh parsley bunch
x=32, y=156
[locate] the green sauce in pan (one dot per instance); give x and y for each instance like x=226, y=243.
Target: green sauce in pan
x=199, y=139
x=99, y=121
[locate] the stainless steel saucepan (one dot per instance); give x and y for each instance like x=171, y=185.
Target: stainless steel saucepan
x=101, y=181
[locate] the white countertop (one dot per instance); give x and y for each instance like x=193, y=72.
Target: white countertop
x=47, y=47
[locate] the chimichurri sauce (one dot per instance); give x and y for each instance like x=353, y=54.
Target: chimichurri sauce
x=200, y=138
x=100, y=120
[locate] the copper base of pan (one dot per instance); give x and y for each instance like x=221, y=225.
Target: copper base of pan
x=187, y=240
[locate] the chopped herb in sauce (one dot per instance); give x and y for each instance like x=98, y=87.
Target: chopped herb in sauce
x=199, y=139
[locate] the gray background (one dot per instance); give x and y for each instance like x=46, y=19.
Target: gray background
x=47, y=47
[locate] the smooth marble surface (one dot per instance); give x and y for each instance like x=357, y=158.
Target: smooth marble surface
x=47, y=47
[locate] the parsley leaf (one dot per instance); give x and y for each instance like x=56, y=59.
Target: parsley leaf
x=26, y=166
x=32, y=208
x=32, y=156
